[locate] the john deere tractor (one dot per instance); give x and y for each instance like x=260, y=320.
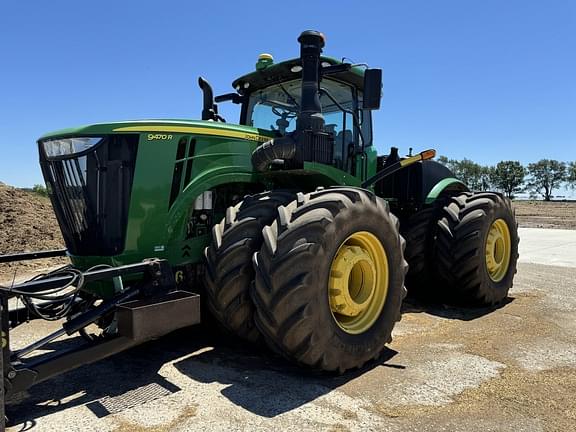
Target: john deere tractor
x=288, y=225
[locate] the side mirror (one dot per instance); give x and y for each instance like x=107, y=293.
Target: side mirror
x=372, y=89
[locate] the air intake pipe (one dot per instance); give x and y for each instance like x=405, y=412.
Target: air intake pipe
x=310, y=117
x=283, y=148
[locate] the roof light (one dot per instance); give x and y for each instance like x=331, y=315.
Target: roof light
x=264, y=60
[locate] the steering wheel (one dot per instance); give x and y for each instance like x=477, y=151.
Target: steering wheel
x=284, y=113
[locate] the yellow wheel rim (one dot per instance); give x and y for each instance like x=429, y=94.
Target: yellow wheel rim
x=358, y=282
x=498, y=250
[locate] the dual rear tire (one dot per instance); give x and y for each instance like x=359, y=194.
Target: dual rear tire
x=463, y=249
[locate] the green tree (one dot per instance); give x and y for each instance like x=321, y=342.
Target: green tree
x=508, y=176
x=571, y=175
x=40, y=190
x=545, y=176
x=486, y=176
x=475, y=176
x=443, y=160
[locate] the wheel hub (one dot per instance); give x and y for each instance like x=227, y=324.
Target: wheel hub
x=354, y=281
x=498, y=250
x=358, y=282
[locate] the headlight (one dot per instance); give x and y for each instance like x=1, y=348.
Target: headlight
x=68, y=146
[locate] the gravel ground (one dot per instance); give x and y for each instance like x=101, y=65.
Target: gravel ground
x=511, y=369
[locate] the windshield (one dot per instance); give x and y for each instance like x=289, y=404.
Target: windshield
x=275, y=107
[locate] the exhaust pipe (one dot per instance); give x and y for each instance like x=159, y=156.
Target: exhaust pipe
x=310, y=118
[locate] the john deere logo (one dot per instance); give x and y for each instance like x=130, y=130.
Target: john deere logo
x=152, y=137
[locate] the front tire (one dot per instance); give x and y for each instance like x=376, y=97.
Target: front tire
x=330, y=279
x=229, y=272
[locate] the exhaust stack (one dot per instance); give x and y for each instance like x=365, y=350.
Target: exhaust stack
x=310, y=118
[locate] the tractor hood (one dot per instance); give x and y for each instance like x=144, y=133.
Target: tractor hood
x=156, y=127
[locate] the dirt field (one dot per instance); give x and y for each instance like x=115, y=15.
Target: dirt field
x=27, y=223
x=542, y=214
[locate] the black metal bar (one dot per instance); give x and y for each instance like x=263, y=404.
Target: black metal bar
x=50, y=365
x=382, y=174
x=32, y=255
x=77, y=202
x=3, y=346
x=38, y=344
x=108, y=273
x=89, y=317
x=337, y=68
x=60, y=179
x=79, y=322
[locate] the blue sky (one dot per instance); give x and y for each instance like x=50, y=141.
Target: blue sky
x=487, y=80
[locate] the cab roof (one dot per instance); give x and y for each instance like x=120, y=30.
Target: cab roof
x=281, y=72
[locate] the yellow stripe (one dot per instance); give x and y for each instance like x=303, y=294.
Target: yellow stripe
x=195, y=130
x=410, y=160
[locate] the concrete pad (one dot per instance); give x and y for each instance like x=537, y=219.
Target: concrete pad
x=548, y=247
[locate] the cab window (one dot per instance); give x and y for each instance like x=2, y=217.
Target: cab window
x=275, y=108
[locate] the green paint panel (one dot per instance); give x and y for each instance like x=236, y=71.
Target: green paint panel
x=443, y=185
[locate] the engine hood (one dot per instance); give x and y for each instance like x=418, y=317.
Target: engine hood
x=197, y=127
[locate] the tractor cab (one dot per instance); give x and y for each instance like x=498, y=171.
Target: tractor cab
x=314, y=107
x=271, y=101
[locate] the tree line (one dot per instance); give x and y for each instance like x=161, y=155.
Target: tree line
x=540, y=178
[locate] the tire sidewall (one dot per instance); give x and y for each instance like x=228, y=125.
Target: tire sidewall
x=499, y=290
x=349, y=221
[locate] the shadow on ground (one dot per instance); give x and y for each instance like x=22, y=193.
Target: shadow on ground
x=108, y=378
x=415, y=305
x=264, y=384
x=255, y=379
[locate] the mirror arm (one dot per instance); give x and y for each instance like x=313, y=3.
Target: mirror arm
x=343, y=67
x=234, y=97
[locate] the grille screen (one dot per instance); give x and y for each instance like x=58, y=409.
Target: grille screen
x=90, y=193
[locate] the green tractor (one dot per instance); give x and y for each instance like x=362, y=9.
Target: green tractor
x=289, y=225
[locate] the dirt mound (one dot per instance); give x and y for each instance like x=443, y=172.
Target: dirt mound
x=27, y=223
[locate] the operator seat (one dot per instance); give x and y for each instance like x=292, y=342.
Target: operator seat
x=344, y=140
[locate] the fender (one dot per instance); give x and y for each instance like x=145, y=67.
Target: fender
x=445, y=185
x=419, y=184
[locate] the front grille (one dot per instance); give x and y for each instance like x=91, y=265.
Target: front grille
x=90, y=193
